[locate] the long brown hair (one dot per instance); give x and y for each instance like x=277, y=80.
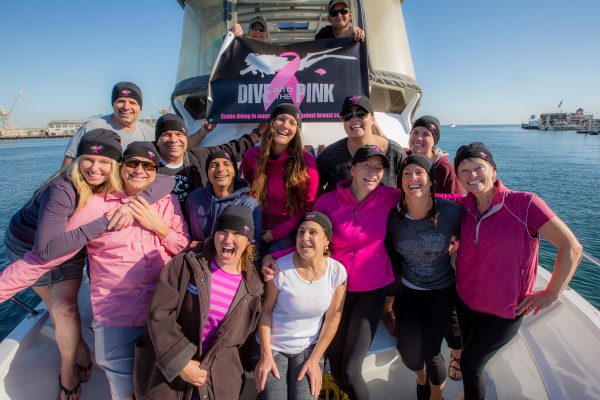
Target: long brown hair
x=295, y=175
x=432, y=215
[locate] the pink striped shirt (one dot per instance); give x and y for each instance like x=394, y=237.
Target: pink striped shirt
x=222, y=291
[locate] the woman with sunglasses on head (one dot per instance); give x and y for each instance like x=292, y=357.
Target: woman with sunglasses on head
x=283, y=176
x=419, y=232
x=124, y=264
x=204, y=307
x=301, y=313
x=496, y=265
x=41, y=225
x=359, y=123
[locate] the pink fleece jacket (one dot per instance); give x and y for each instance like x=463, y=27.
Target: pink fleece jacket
x=358, y=234
x=275, y=216
x=124, y=265
x=497, y=258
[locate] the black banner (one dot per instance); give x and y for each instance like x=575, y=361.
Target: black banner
x=251, y=78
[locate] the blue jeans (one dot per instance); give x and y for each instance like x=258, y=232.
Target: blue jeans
x=114, y=354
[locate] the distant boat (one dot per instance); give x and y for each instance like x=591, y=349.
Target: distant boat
x=452, y=126
x=533, y=123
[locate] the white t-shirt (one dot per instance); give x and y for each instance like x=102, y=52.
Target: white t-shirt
x=142, y=133
x=301, y=305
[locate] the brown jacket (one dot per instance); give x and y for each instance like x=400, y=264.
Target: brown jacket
x=174, y=331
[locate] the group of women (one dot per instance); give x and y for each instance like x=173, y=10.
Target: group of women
x=169, y=323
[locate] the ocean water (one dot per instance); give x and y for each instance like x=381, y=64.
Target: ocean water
x=562, y=167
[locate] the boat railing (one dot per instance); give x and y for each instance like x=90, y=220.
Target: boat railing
x=593, y=260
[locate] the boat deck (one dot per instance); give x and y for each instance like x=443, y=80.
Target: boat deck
x=554, y=356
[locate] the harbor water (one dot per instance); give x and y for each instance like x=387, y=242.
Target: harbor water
x=562, y=167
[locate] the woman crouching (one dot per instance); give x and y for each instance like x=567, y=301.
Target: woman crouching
x=203, y=309
x=301, y=313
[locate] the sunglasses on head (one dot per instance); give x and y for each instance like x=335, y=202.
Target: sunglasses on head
x=146, y=165
x=356, y=113
x=257, y=28
x=335, y=13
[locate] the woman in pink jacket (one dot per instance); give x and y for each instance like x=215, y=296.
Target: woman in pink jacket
x=497, y=261
x=124, y=265
x=358, y=210
x=283, y=176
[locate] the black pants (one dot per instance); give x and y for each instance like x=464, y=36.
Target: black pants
x=360, y=317
x=483, y=335
x=421, y=320
x=452, y=336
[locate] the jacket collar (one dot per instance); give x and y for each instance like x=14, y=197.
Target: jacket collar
x=344, y=190
x=470, y=203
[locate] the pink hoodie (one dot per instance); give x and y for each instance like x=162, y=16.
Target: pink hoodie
x=276, y=217
x=358, y=234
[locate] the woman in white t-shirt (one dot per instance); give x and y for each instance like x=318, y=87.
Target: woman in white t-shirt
x=300, y=315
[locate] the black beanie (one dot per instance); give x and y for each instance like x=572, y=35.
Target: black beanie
x=126, y=89
x=432, y=124
x=238, y=219
x=142, y=149
x=101, y=142
x=221, y=154
x=359, y=101
x=475, y=149
x=169, y=122
x=422, y=161
x=367, y=151
x=321, y=219
x=288, y=108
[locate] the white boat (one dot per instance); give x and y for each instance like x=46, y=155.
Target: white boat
x=555, y=354
x=452, y=125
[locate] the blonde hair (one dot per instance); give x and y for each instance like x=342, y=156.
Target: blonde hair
x=84, y=191
x=295, y=175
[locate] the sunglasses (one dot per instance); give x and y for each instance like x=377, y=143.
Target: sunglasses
x=357, y=113
x=335, y=13
x=257, y=28
x=146, y=165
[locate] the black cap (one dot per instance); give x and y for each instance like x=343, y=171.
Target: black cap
x=367, y=151
x=334, y=2
x=101, y=142
x=321, y=219
x=422, y=161
x=169, y=122
x=142, y=149
x=260, y=19
x=238, y=219
x=221, y=154
x=475, y=149
x=432, y=124
x=126, y=89
x=288, y=108
x=360, y=101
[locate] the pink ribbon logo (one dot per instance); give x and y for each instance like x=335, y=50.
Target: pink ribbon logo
x=285, y=78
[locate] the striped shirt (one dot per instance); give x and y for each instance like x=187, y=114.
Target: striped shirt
x=222, y=291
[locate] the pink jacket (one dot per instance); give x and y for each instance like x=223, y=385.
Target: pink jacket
x=275, y=216
x=358, y=234
x=497, y=258
x=124, y=265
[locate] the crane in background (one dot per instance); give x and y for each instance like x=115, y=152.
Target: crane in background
x=5, y=114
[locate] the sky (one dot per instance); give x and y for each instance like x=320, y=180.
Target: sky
x=478, y=62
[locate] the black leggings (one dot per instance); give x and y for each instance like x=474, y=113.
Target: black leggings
x=483, y=335
x=360, y=317
x=453, y=332
x=421, y=320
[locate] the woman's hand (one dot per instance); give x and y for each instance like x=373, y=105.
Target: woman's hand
x=119, y=217
x=147, y=216
x=535, y=301
x=192, y=373
x=269, y=268
x=268, y=236
x=315, y=376
x=265, y=365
